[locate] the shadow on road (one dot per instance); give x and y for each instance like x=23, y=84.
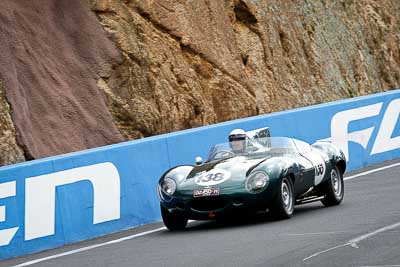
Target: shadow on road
x=247, y=220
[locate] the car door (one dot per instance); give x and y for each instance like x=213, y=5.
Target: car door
x=317, y=161
x=307, y=170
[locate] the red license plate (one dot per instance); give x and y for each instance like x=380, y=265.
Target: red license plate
x=206, y=192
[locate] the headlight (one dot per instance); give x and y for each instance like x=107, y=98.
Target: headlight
x=168, y=186
x=257, y=182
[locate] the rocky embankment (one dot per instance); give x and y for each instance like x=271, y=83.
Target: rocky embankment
x=76, y=74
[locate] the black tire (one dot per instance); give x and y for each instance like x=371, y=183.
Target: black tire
x=174, y=222
x=283, y=205
x=333, y=188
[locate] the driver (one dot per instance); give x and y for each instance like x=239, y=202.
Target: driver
x=238, y=141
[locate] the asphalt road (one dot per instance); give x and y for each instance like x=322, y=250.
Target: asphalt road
x=363, y=231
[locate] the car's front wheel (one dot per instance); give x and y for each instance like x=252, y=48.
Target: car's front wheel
x=173, y=222
x=333, y=188
x=283, y=206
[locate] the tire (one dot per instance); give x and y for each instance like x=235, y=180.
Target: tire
x=283, y=205
x=174, y=222
x=333, y=188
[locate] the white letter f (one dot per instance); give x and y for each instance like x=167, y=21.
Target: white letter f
x=340, y=124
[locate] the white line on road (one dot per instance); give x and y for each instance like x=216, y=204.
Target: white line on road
x=89, y=247
x=92, y=247
x=354, y=242
x=160, y=229
x=371, y=171
x=315, y=233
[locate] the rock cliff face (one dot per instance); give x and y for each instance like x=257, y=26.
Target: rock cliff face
x=191, y=63
x=79, y=74
x=10, y=152
x=52, y=54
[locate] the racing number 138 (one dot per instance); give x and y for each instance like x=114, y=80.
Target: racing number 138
x=212, y=177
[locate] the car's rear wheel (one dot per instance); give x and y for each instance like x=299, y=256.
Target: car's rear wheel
x=333, y=188
x=283, y=205
x=173, y=222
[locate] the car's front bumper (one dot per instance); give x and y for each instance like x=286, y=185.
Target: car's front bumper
x=215, y=207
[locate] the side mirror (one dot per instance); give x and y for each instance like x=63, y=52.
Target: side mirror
x=198, y=160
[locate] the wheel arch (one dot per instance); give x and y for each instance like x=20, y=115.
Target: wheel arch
x=341, y=164
x=292, y=177
x=279, y=168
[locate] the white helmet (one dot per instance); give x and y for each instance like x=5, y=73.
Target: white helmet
x=238, y=140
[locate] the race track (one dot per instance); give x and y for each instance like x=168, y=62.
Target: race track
x=363, y=231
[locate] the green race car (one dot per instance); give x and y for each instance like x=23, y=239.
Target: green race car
x=267, y=173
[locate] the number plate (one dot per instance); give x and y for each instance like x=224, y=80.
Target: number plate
x=206, y=192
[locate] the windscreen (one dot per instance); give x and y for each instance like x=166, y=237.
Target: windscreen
x=253, y=146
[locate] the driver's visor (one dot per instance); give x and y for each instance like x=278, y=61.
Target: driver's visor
x=238, y=137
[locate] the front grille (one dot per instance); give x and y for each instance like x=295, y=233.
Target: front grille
x=208, y=203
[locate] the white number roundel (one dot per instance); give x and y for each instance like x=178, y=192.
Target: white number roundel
x=212, y=177
x=319, y=166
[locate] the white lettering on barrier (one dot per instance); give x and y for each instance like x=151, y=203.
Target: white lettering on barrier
x=40, y=194
x=7, y=189
x=2, y=213
x=340, y=124
x=384, y=141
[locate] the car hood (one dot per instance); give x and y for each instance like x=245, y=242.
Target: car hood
x=235, y=167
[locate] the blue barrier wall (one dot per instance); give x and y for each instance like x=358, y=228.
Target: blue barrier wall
x=79, y=190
